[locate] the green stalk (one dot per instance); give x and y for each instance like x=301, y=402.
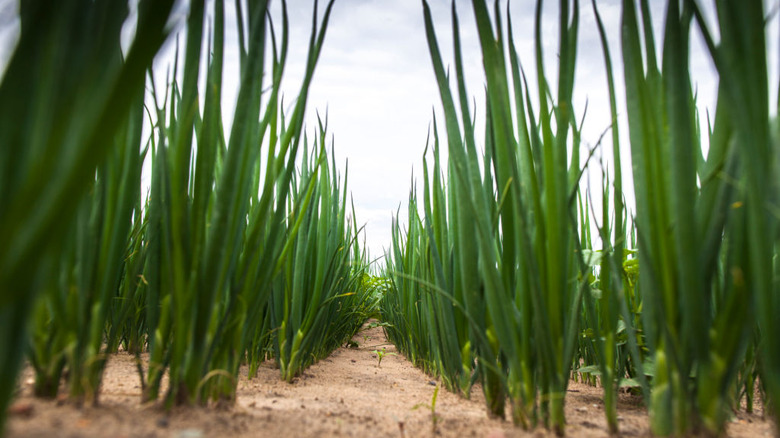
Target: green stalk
x=60, y=108
x=516, y=247
x=683, y=225
x=210, y=265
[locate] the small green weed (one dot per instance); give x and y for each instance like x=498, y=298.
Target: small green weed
x=381, y=354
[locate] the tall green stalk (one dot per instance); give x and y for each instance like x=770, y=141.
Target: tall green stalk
x=517, y=202
x=741, y=61
x=425, y=305
x=698, y=322
x=66, y=92
x=217, y=235
x=103, y=230
x=318, y=299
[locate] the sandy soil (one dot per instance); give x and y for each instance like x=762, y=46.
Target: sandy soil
x=345, y=395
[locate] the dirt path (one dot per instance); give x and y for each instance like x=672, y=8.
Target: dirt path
x=345, y=395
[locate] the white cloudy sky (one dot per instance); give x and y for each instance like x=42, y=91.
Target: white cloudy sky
x=375, y=80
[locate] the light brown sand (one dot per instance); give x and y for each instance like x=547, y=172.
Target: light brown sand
x=345, y=395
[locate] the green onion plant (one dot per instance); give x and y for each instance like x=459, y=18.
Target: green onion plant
x=66, y=93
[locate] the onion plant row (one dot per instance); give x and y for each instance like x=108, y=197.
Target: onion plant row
x=65, y=98
x=244, y=247
x=504, y=274
x=507, y=266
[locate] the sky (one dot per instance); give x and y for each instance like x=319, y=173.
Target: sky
x=375, y=81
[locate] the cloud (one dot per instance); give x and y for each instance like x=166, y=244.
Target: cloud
x=10, y=27
x=376, y=83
